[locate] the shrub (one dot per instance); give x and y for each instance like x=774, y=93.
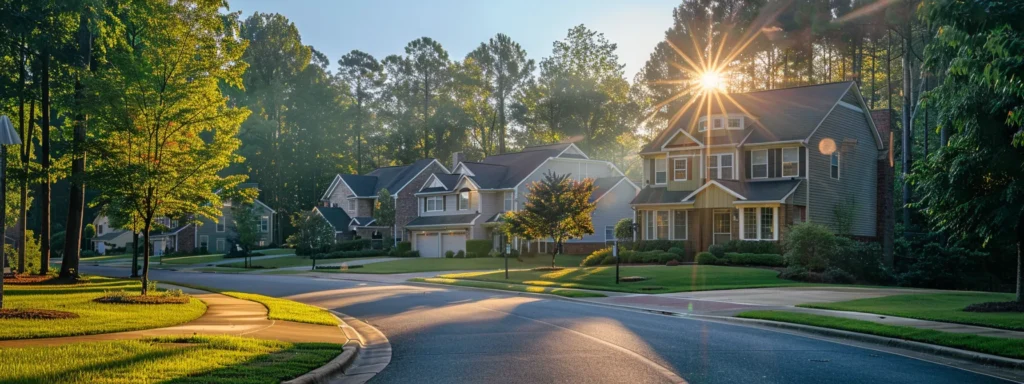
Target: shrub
x=718, y=250
x=624, y=229
x=672, y=263
x=862, y=260
x=767, y=260
x=88, y=253
x=943, y=267
x=32, y=254
x=748, y=246
x=608, y=260
x=403, y=246
x=461, y=254
x=349, y=254
x=657, y=245
x=352, y=245
x=480, y=247
x=810, y=245
x=494, y=253
x=449, y=254
x=471, y=255
x=677, y=251
x=837, y=276
x=411, y=254
x=798, y=273
x=596, y=258
x=706, y=258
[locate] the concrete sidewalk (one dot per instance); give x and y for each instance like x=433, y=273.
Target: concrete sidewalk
x=224, y=315
x=327, y=263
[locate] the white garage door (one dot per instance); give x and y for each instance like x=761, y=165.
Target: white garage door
x=454, y=242
x=427, y=245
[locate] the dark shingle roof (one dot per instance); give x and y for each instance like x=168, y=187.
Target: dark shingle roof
x=603, y=185
x=392, y=178
x=762, y=190
x=659, y=195
x=335, y=216
x=781, y=115
x=108, y=236
x=519, y=165
x=362, y=220
x=487, y=176
x=361, y=185
x=443, y=220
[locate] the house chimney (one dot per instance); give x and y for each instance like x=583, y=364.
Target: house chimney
x=457, y=158
x=886, y=214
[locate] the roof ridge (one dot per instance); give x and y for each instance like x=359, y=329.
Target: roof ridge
x=796, y=87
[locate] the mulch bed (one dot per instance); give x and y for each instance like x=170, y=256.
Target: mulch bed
x=28, y=279
x=36, y=314
x=547, y=269
x=139, y=299
x=631, y=279
x=1005, y=306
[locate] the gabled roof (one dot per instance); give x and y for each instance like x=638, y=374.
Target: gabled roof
x=362, y=221
x=171, y=231
x=110, y=235
x=746, y=192
x=789, y=114
x=659, y=195
x=603, y=185
x=444, y=220
x=335, y=216
x=448, y=180
x=393, y=178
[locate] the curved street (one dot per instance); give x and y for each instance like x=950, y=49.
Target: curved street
x=448, y=335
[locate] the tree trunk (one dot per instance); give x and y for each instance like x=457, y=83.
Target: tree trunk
x=135, y=254
x=76, y=200
x=359, y=128
x=26, y=150
x=1020, y=260
x=145, y=256
x=907, y=138
x=23, y=58
x=502, y=124
x=3, y=218
x=44, y=187
x=554, y=252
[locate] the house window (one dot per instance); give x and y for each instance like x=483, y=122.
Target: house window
x=662, y=223
x=435, y=204
x=720, y=166
x=352, y=205
x=657, y=225
x=790, y=162
x=702, y=125
x=835, y=165
x=463, y=201
x=204, y=242
x=679, y=169
x=265, y=224
x=680, y=221
x=759, y=223
x=508, y=201
x=220, y=224
x=722, y=222
x=717, y=123
x=759, y=164
x=220, y=245
x=660, y=171
x=609, y=233
x=735, y=123
x=262, y=243
x=99, y=229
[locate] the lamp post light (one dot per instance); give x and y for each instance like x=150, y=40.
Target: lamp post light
x=8, y=136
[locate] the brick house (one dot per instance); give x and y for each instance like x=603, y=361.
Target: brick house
x=757, y=163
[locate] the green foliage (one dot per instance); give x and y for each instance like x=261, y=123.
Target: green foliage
x=751, y=246
x=933, y=265
x=810, y=245
x=480, y=247
x=677, y=251
x=658, y=245
x=596, y=257
x=384, y=209
x=449, y=254
x=624, y=229
x=89, y=231
x=506, y=70
x=765, y=260
x=245, y=224
x=353, y=245
x=707, y=258
x=461, y=254
x=405, y=246
x=31, y=254
x=472, y=255
x=312, y=233
x=718, y=250
x=557, y=207
x=350, y=254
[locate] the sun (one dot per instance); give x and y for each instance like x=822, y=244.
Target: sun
x=712, y=81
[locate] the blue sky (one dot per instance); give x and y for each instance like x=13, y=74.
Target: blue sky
x=383, y=27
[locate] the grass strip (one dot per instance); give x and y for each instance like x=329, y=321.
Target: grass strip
x=509, y=287
x=278, y=309
x=93, y=317
x=1013, y=348
x=195, y=359
x=945, y=307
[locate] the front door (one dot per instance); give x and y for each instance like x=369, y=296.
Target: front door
x=722, y=224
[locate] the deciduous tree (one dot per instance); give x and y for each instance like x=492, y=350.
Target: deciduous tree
x=557, y=208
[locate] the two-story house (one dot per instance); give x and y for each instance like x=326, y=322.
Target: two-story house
x=757, y=162
x=218, y=236
x=468, y=203
x=349, y=201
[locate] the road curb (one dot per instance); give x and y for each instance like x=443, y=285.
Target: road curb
x=335, y=369
x=938, y=350
x=932, y=349
x=366, y=354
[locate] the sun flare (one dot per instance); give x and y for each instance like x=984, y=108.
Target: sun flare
x=712, y=81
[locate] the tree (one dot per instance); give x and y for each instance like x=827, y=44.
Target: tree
x=364, y=75
x=312, y=233
x=558, y=208
x=384, y=211
x=507, y=70
x=167, y=131
x=971, y=187
x=246, y=226
x=624, y=229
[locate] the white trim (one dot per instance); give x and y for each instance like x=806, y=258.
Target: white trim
x=783, y=162
x=766, y=162
x=418, y=175
x=719, y=185
x=757, y=224
x=573, y=145
x=608, y=163
x=672, y=224
x=330, y=189
x=426, y=205
x=257, y=201
x=719, y=167
x=871, y=121
x=433, y=176
x=463, y=166
x=850, y=106
x=458, y=201
x=772, y=143
x=678, y=131
x=686, y=167
x=616, y=185
x=839, y=165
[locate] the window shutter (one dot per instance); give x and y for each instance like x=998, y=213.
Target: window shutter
x=778, y=162
x=689, y=168
x=670, y=167
x=444, y=203
x=747, y=165
x=771, y=163
x=803, y=162
x=424, y=204
x=650, y=167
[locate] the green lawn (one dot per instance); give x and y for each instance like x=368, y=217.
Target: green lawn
x=196, y=359
x=444, y=264
x=284, y=309
x=185, y=260
x=127, y=256
x=947, y=307
x=509, y=287
x=661, y=279
x=291, y=261
x=93, y=317
x=996, y=346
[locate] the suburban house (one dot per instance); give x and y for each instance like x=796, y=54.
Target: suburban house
x=107, y=236
x=758, y=162
x=468, y=203
x=348, y=203
x=218, y=236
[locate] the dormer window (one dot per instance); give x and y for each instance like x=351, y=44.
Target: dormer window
x=790, y=162
x=702, y=125
x=735, y=123
x=463, y=201
x=352, y=205
x=717, y=123
x=660, y=171
x=759, y=164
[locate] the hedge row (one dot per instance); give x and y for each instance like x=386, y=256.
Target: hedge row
x=349, y=254
x=479, y=247
x=753, y=259
x=604, y=257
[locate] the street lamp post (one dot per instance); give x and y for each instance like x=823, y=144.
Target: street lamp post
x=8, y=136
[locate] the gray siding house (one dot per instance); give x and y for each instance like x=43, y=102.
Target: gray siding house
x=468, y=203
x=217, y=236
x=763, y=161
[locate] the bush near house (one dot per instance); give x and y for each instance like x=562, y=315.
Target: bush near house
x=604, y=257
x=706, y=258
x=403, y=246
x=657, y=245
x=349, y=254
x=596, y=257
x=479, y=247
x=755, y=259
x=449, y=255
x=351, y=245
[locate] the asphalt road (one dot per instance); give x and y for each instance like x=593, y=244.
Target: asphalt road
x=441, y=335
